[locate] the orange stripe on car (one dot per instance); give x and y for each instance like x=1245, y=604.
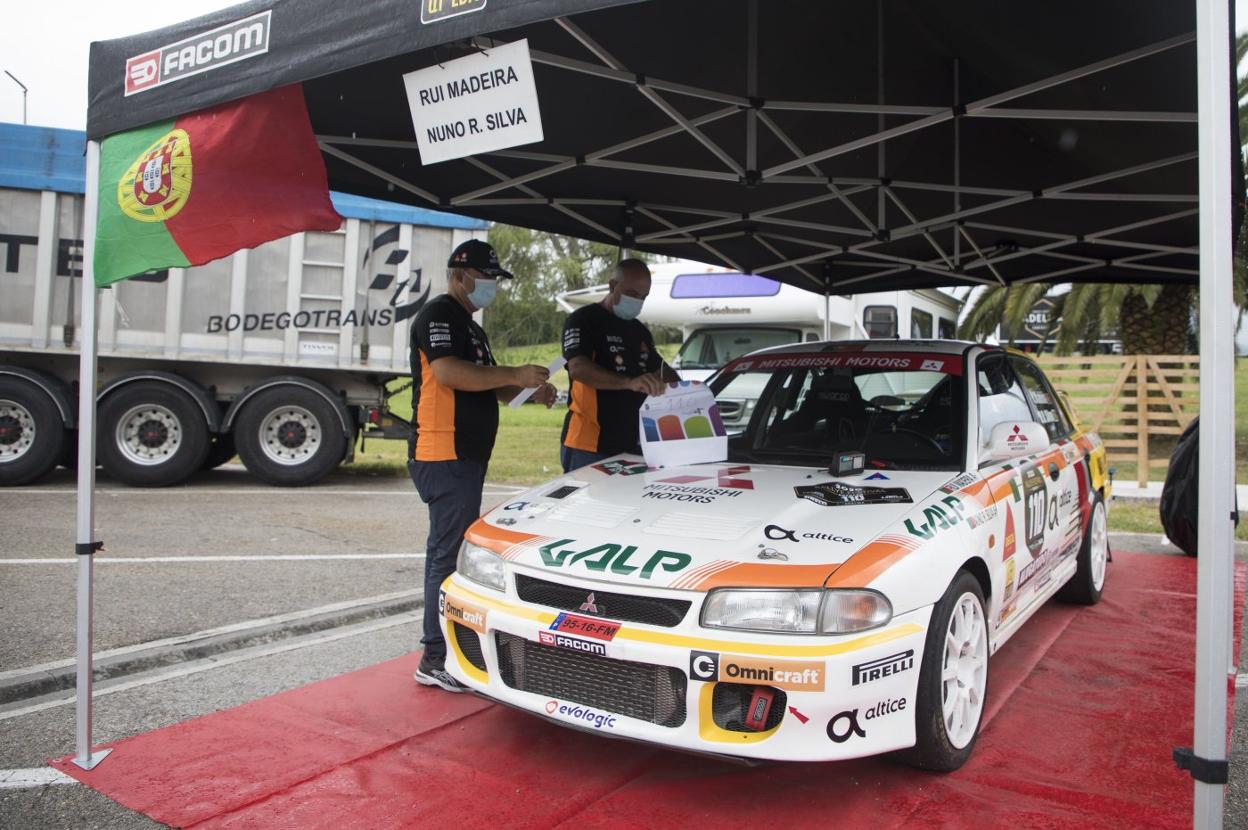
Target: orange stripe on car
x=497, y=539
x=751, y=575
x=864, y=566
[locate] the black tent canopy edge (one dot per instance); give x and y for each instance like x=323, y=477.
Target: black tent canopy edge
x=653, y=160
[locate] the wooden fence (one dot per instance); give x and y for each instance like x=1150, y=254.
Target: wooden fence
x=1106, y=393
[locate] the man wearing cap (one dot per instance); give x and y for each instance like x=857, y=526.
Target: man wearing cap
x=456, y=387
x=613, y=365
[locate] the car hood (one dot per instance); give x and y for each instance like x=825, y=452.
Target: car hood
x=700, y=526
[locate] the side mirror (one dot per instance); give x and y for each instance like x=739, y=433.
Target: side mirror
x=1014, y=439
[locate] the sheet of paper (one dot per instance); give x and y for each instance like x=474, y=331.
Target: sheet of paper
x=682, y=426
x=555, y=365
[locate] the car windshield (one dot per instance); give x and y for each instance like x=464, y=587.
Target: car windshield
x=903, y=410
x=712, y=348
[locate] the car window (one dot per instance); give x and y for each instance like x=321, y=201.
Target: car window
x=1001, y=397
x=1043, y=398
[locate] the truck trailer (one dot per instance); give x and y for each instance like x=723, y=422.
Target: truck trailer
x=283, y=354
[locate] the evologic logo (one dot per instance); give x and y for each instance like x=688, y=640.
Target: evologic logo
x=611, y=557
x=218, y=47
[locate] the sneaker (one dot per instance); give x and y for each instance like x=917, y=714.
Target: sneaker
x=430, y=675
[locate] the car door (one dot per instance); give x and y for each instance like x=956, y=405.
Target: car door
x=1020, y=490
x=1063, y=467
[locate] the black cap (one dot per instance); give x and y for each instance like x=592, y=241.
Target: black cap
x=479, y=255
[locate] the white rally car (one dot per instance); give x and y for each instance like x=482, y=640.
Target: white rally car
x=791, y=602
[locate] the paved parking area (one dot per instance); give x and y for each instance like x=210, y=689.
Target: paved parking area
x=219, y=552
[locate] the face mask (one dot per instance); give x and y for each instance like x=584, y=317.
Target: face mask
x=627, y=308
x=483, y=293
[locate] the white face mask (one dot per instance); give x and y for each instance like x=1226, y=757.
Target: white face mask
x=627, y=308
x=482, y=294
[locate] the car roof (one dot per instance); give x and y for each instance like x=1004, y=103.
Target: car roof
x=885, y=346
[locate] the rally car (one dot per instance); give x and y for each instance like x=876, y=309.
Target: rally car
x=889, y=517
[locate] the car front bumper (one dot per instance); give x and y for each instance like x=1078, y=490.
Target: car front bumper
x=833, y=697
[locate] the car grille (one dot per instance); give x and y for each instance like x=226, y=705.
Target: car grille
x=624, y=607
x=469, y=643
x=731, y=701
x=730, y=410
x=636, y=690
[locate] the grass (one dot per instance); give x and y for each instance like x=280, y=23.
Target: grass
x=1141, y=517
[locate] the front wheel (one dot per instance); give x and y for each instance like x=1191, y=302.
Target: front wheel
x=953, y=680
x=1084, y=588
x=289, y=436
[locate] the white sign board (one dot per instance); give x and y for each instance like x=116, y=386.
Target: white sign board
x=682, y=426
x=475, y=104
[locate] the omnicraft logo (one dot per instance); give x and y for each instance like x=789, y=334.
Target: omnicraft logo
x=466, y=615
x=215, y=48
x=794, y=675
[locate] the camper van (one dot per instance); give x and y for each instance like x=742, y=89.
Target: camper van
x=723, y=314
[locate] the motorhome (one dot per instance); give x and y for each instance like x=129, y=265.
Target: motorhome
x=723, y=314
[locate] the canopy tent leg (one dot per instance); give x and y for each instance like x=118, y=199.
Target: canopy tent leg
x=86, y=543
x=1215, y=528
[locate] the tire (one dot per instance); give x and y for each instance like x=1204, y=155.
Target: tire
x=151, y=434
x=32, y=434
x=1084, y=588
x=934, y=747
x=69, y=451
x=289, y=436
x=220, y=451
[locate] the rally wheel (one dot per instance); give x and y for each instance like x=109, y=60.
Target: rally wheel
x=953, y=679
x=151, y=435
x=32, y=433
x=289, y=436
x=1084, y=588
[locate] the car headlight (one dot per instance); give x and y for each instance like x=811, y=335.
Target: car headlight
x=482, y=566
x=796, y=611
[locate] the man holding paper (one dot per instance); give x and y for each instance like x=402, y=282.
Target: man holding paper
x=614, y=365
x=456, y=387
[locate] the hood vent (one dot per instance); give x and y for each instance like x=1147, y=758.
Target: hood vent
x=700, y=526
x=591, y=512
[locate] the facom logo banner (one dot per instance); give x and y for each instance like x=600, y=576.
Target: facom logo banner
x=215, y=48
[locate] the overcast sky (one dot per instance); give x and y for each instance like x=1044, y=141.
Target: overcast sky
x=44, y=43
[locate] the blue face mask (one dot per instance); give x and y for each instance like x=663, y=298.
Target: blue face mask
x=627, y=308
x=483, y=292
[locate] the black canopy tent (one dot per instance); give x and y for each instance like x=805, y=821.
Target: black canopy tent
x=843, y=147
x=1054, y=144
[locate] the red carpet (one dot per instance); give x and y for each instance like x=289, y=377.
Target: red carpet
x=1085, y=706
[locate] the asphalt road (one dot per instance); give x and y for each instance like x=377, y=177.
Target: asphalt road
x=273, y=535
x=164, y=574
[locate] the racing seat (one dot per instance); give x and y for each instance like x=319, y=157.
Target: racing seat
x=836, y=400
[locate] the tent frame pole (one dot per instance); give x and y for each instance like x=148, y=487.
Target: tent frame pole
x=1215, y=528
x=86, y=542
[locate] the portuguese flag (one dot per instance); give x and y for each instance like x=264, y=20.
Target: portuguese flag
x=195, y=189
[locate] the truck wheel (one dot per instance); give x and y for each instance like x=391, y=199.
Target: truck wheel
x=31, y=432
x=221, y=451
x=151, y=435
x=289, y=436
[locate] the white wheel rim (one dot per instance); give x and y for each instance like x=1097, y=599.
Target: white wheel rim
x=964, y=670
x=1099, y=545
x=290, y=435
x=148, y=434
x=17, y=431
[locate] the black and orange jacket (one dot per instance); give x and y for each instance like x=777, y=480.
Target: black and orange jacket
x=605, y=420
x=449, y=424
